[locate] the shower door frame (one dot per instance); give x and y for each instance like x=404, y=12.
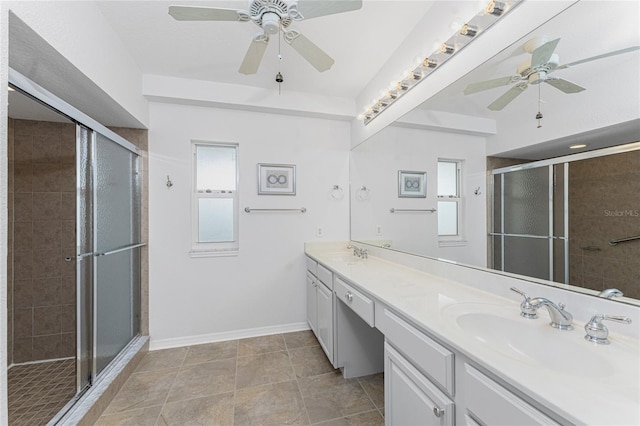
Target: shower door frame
x=81, y=120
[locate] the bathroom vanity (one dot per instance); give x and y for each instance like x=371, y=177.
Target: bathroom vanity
x=455, y=349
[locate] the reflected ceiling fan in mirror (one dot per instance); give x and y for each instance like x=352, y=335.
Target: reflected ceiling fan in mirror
x=273, y=16
x=535, y=70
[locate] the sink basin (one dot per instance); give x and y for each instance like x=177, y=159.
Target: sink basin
x=534, y=342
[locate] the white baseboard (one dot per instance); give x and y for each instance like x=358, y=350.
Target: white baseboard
x=200, y=339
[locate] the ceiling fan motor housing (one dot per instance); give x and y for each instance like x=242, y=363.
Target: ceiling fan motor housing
x=525, y=70
x=270, y=14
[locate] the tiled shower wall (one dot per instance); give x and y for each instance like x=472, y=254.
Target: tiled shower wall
x=41, y=234
x=604, y=204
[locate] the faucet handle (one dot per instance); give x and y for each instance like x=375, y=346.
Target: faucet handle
x=520, y=292
x=597, y=332
x=527, y=310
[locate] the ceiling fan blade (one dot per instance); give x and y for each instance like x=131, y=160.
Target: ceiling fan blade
x=312, y=53
x=510, y=95
x=542, y=54
x=594, y=58
x=490, y=84
x=307, y=9
x=254, y=55
x=195, y=13
x=564, y=85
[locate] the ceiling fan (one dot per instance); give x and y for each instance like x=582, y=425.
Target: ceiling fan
x=536, y=70
x=273, y=16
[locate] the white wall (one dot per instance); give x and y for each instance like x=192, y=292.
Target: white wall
x=375, y=164
x=206, y=299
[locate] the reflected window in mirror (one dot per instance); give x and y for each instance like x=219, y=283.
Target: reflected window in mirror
x=449, y=200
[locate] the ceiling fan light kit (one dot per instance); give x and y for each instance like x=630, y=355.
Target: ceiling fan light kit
x=273, y=17
x=484, y=19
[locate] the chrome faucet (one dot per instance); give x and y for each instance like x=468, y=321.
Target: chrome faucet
x=357, y=251
x=597, y=332
x=560, y=318
x=609, y=293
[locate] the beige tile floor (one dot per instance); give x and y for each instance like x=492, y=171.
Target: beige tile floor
x=38, y=391
x=283, y=379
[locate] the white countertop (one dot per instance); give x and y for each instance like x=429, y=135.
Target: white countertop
x=582, y=382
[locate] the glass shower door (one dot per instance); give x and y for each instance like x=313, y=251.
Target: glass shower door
x=108, y=260
x=529, y=222
x=117, y=250
x=526, y=203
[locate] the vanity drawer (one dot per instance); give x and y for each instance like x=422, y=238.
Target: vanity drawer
x=312, y=266
x=325, y=276
x=426, y=354
x=490, y=403
x=359, y=303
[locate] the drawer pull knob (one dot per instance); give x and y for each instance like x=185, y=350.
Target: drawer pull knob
x=438, y=412
x=349, y=296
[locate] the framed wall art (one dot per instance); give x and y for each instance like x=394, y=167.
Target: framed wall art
x=276, y=179
x=412, y=184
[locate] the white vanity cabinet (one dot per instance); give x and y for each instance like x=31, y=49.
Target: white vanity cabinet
x=411, y=398
x=320, y=305
x=398, y=320
x=419, y=374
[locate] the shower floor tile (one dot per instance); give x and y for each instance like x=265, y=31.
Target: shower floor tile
x=38, y=391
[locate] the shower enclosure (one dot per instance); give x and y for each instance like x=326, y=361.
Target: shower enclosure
x=73, y=179
x=573, y=220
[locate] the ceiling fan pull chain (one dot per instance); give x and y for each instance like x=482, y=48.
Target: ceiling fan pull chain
x=539, y=114
x=279, y=77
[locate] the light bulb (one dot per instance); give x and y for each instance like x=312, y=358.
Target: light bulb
x=495, y=8
x=447, y=48
x=469, y=30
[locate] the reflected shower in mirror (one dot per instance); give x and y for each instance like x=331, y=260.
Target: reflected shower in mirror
x=460, y=128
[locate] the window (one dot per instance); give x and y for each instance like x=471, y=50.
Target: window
x=215, y=199
x=449, y=200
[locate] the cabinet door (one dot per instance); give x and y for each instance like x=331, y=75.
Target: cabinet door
x=492, y=404
x=410, y=398
x=325, y=319
x=312, y=309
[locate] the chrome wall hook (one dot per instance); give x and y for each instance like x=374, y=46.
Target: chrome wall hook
x=169, y=183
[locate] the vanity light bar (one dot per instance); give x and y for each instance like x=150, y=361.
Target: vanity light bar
x=470, y=30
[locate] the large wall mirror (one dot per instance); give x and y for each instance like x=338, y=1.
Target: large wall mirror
x=467, y=164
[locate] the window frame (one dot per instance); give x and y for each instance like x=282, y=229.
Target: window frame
x=459, y=238
x=209, y=249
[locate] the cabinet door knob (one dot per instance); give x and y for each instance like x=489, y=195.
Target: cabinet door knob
x=438, y=412
x=349, y=296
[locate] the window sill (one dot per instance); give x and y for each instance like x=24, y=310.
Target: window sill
x=196, y=254
x=452, y=243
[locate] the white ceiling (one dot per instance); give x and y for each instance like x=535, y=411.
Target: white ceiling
x=359, y=41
